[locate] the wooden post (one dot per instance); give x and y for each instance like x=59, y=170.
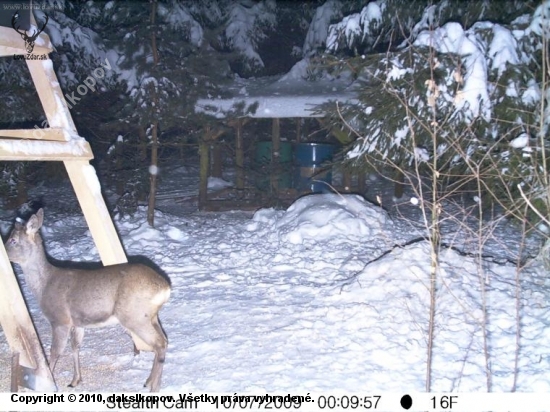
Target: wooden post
x=14, y=383
x=216, y=162
x=88, y=191
x=239, y=153
x=18, y=327
x=275, y=153
x=203, y=171
x=82, y=175
x=209, y=136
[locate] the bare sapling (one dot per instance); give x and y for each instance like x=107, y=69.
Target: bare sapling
x=74, y=299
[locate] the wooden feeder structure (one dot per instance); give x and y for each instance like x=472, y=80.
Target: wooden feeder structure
x=275, y=101
x=58, y=142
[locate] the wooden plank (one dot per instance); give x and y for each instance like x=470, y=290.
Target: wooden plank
x=298, y=129
x=24, y=150
x=12, y=43
x=49, y=133
x=88, y=191
x=51, y=95
x=17, y=324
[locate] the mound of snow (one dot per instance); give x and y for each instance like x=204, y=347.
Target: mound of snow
x=216, y=183
x=325, y=216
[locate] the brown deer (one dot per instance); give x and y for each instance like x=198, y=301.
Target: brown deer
x=74, y=299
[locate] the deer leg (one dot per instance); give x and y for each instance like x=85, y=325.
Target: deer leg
x=149, y=332
x=153, y=381
x=77, y=334
x=60, y=335
x=139, y=344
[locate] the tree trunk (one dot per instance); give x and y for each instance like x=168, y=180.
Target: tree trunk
x=239, y=153
x=142, y=144
x=203, y=174
x=119, y=165
x=22, y=194
x=361, y=184
x=153, y=168
x=153, y=172
x=399, y=184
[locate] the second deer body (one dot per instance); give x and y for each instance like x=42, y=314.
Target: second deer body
x=74, y=299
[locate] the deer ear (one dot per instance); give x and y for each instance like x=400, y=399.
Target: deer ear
x=35, y=222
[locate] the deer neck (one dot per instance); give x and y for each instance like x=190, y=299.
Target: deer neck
x=37, y=270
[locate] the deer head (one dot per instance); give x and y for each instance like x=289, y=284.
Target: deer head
x=29, y=40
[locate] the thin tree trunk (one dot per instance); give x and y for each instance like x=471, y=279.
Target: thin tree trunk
x=119, y=161
x=204, y=154
x=142, y=144
x=239, y=153
x=22, y=194
x=153, y=169
x=399, y=184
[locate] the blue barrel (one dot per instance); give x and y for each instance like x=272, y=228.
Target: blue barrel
x=312, y=170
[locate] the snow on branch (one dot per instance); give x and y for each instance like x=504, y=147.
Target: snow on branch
x=356, y=27
x=319, y=28
x=246, y=27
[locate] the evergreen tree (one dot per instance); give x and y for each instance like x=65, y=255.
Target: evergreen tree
x=477, y=83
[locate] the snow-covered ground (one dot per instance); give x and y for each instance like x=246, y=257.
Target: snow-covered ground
x=331, y=294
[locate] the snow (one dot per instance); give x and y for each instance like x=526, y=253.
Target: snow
x=397, y=71
x=351, y=27
x=503, y=48
x=421, y=154
x=540, y=22
x=281, y=97
x=318, y=33
x=451, y=38
x=217, y=183
x=330, y=293
x=241, y=32
x=76, y=146
x=323, y=217
x=321, y=297
x=178, y=17
x=531, y=95
x=520, y=142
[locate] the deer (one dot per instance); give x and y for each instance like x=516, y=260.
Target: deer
x=73, y=299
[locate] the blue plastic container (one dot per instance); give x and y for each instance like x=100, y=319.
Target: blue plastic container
x=312, y=172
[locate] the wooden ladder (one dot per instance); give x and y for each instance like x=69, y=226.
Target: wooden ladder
x=58, y=142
